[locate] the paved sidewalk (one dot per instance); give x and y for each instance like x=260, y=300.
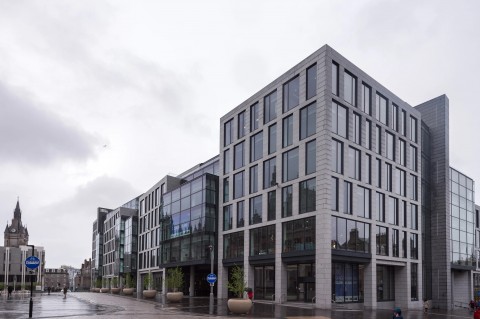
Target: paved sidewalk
x=107, y=306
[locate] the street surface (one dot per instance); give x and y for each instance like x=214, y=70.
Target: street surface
x=107, y=306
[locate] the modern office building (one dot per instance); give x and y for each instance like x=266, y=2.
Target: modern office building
x=120, y=243
x=13, y=271
x=97, y=246
x=177, y=228
x=320, y=172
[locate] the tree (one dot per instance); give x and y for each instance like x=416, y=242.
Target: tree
x=237, y=282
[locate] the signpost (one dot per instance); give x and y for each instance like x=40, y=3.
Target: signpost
x=211, y=278
x=31, y=263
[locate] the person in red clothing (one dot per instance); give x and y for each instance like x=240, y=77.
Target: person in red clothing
x=250, y=293
x=476, y=314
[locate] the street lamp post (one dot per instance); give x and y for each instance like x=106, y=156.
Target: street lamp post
x=30, y=309
x=211, y=268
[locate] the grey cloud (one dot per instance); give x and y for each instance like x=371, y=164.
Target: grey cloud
x=30, y=135
x=71, y=229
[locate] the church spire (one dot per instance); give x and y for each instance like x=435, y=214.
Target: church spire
x=17, y=214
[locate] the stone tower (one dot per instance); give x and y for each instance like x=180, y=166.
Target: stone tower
x=16, y=234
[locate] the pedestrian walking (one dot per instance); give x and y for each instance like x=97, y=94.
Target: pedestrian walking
x=426, y=305
x=65, y=292
x=9, y=289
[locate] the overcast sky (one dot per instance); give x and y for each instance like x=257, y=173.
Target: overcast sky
x=101, y=99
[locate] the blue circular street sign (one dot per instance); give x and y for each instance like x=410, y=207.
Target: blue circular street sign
x=211, y=278
x=32, y=262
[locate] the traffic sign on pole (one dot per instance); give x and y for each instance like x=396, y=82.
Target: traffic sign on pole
x=211, y=278
x=32, y=262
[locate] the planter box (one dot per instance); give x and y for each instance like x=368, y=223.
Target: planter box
x=115, y=291
x=149, y=293
x=239, y=305
x=128, y=291
x=174, y=296
x=104, y=290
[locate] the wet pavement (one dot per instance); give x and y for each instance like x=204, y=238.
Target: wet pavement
x=108, y=306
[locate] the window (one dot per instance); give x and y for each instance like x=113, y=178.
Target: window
x=379, y=173
x=241, y=124
x=380, y=207
x=368, y=134
x=339, y=120
x=307, y=196
x=401, y=178
x=414, y=246
x=227, y=133
x=413, y=158
x=308, y=121
x=389, y=176
x=413, y=187
x=363, y=202
x=349, y=88
x=272, y=138
x=357, y=137
x=390, y=146
x=403, y=158
x=402, y=211
x=394, y=118
x=262, y=241
x=366, y=99
x=240, y=214
x=311, y=81
x=382, y=241
x=334, y=203
x=269, y=173
x=256, y=147
x=226, y=190
x=238, y=190
x=354, y=163
x=414, y=281
x=392, y=210
x=290, y=165
x=347, y=198
x=269, y=107
x=254, y=117
x=403, y=123
x=233, y=245
x=378, y=140
x=291, y=94
x=381, y=109
x=299, y=235
x=395, y=243
x=413, y=129
x=413, y=216
x=253, y=179
x=255, y=210
x=350, y=235
x=335, y=78
x=385, y=283
x=226, y=162
x=239, y=157
x=337, y=158
x=367, y=173
x=271, y=205
x=287, y=194
x=227, y=217
x=287, y=131
x=310, y=157
x=403, y=241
